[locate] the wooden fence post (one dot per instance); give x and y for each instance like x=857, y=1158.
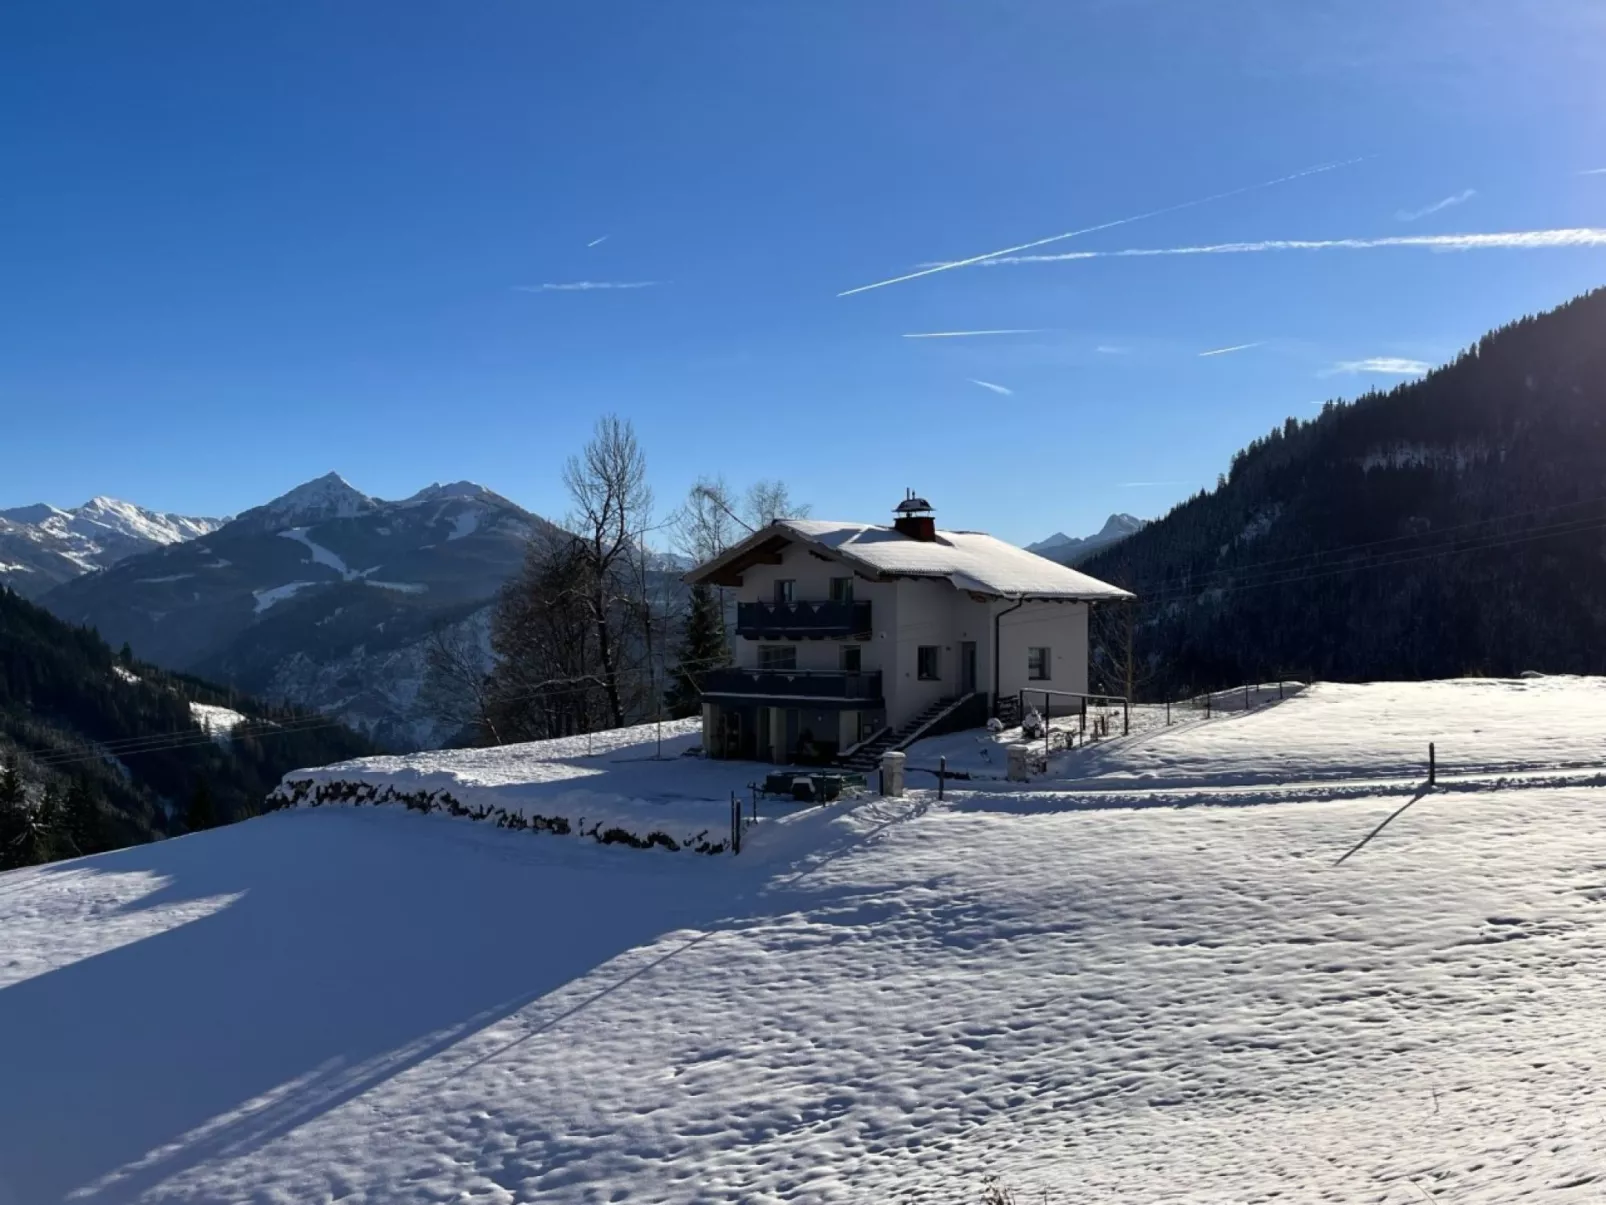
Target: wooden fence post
x=1433, y=769
x=736, y=824
x=942, y=774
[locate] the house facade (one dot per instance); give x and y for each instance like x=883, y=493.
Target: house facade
x=846, y=632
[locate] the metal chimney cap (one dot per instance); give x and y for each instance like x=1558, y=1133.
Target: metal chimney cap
x=912, y=505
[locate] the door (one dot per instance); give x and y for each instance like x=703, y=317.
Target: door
x=967, y=667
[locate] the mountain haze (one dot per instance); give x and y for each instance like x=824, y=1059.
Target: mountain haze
x=1072, y=550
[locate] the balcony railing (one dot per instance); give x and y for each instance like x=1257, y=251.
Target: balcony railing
x=801, y=620
x=836, y=685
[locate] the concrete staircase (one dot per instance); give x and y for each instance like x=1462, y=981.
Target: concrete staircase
x=867, y=757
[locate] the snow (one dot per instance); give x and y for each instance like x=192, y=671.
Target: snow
x=219, y=721
x=464, y=523
x=326, y=497
x=127, y=675
x=172, y=577
x=277, y=594
x=320, y=554
x=147, y=526
x=970, y=560
x=1094, y=997
x=98, y=533
x=615, y=778
x=399, y=587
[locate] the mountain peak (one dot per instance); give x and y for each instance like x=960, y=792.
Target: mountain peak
x=1121, y=524
x=328, y=497
x=1070, y=549
x=455, y=489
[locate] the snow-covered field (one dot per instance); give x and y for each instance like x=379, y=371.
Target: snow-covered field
x=1067, y=983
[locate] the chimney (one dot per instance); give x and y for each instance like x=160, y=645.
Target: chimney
x=915, y=518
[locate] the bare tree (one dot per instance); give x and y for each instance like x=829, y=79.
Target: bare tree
x=767, y=501
x=707, y=522
x=714, y=517
x=457, y=687
x=607, y=484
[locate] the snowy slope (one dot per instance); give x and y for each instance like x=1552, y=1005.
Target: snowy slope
x=1095, y=999
x=42, y=545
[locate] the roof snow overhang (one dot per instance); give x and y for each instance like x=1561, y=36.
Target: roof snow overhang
x=767, y=545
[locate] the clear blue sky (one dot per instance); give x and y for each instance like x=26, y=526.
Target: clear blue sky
x=246, y=243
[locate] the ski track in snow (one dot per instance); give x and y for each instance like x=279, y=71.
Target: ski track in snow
x=882, y=1001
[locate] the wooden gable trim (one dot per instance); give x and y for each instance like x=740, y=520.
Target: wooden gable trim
x=767, y=552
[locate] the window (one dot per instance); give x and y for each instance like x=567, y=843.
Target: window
x=777, y=656
x=785, y=587
x=926, y=662
x=852, y=658
x=1037, y=664
x=841, y=589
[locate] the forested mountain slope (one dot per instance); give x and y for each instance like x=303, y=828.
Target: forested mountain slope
x=144, y=743
x=1454, y=525
x=324, y=596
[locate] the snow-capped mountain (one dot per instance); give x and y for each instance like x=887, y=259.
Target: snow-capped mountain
x=1068, y=550
x=42, y=546
x=322, y=596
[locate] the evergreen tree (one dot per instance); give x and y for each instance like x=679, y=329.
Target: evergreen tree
x=201, y=814
x=84, y=826
x=702, y=647
x=46, y=837
x=13, y=815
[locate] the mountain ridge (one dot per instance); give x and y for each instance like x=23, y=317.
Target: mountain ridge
x=1450, y=526
x=323, y=596
x=42, y=546
x=1069, y=550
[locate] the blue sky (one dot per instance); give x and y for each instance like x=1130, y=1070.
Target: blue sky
x=248, y=243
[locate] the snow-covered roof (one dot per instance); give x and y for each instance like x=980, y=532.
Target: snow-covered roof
x=969, y=560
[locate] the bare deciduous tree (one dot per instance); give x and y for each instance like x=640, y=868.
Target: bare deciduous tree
x=767, y=501
x=607, y=484
x=457, y=687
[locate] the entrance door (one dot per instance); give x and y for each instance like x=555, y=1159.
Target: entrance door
x=967, y=667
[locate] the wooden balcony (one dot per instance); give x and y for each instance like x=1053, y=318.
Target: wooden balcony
x=862, y=688
x=801, y=620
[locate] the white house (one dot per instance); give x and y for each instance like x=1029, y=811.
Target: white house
x=855, y=636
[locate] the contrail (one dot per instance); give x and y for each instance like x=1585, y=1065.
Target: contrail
x=595, y=241
x=1519, y=240
x=1416, y=215
x=1153, y=213
x=582, y=286
x=1221, y=351
x=969, y=334
x=1007, y=392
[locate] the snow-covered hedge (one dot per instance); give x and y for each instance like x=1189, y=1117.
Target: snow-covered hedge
x=317, y=792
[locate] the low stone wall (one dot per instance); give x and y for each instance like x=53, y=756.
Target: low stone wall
x=309, y=792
